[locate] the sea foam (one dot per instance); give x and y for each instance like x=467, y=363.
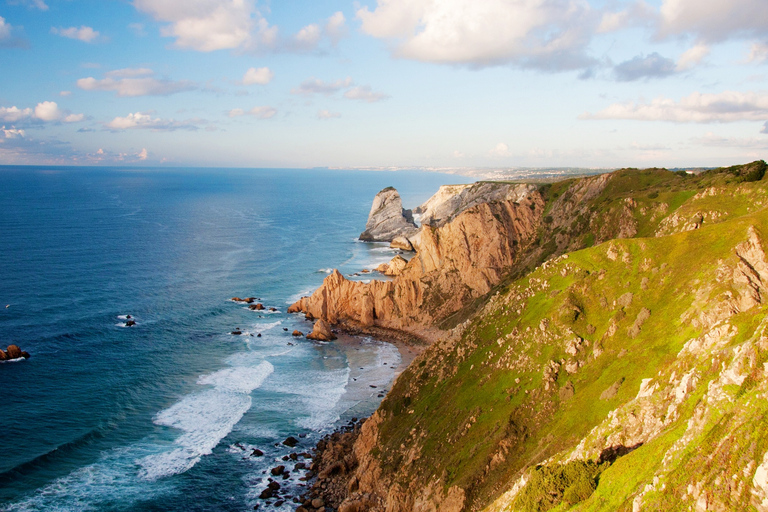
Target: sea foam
x=205, y=418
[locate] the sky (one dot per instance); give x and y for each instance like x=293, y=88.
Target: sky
x=384, y=83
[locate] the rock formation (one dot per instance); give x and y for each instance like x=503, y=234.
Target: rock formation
x=394, y=268
x=388, y=219
x=321, y=332
x=455, y=263
x=13, y=352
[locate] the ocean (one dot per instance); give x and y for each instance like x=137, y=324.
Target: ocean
x=165, y=414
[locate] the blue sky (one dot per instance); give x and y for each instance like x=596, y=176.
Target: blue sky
x=380, y=83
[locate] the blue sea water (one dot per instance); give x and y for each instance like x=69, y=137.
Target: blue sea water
x=164, y=415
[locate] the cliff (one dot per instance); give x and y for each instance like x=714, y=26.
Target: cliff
x=628, y=375
x=456, y=263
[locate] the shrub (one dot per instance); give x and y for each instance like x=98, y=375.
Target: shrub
x=550, y=485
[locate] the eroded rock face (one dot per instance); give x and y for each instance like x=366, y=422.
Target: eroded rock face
x=451, y=200
x=455, y=263
x=388, y=219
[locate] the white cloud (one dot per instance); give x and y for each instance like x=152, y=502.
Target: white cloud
x=84, y=34
x=501, y=149
x=364, y=93
x=714, y=20
x=208, y=25
x=45, y=111
x=5, y=29
x=143, y=154
x=758, y=52
x=638, y=13
x=15, y=114
x=263, y=112
x=65, y=93
x=135, y=82
x=317, y=86
x=129, y=73
x=327, y=114
x=12, y=133
x=142, y=120
x=37, y=4
x=335, y=27
x=549, y=35
x=692, y=56
x=728, y=106
x=309, y=36
x=765, y=128
x=260, y=76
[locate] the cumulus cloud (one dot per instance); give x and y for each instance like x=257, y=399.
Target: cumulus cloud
x=44, y=112
x=335, y=27
x=144, y=120
x=364, y=93
x=262, y=112
x=327, y=114
x=500, y=149
x=135, y=82
x=260, y=76
x=692, y=56
x=209, y=25
x=310, y=36
x=724, y=107
x=317, y=86
x=714, y=20
x=36, y=4
x=84, y=34
x=550, y=35
x=765, y=128
x=641, y=67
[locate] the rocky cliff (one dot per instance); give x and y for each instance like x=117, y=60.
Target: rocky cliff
x=630, y=375
x=456, y=263
x=388, y=219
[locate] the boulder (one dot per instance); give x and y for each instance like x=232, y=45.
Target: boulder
x=3, y=355
x=130, y=323
x=297, y=333
x=321, y=332
x=256, y=307
x=291, y=441
x=394, y=268
x=236, y=333
x=388, y=219
x=14, y=352
x=401, y=242
x=257, y=453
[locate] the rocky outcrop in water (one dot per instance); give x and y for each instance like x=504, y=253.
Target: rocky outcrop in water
x=388, y=219
x=13, y=352
x=321, y=332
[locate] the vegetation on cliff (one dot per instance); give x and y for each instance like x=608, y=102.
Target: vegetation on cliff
x=627, y=375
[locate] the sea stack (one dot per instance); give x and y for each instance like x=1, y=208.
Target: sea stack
x=388, y=219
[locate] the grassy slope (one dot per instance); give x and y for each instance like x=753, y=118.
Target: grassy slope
x=484, y=393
